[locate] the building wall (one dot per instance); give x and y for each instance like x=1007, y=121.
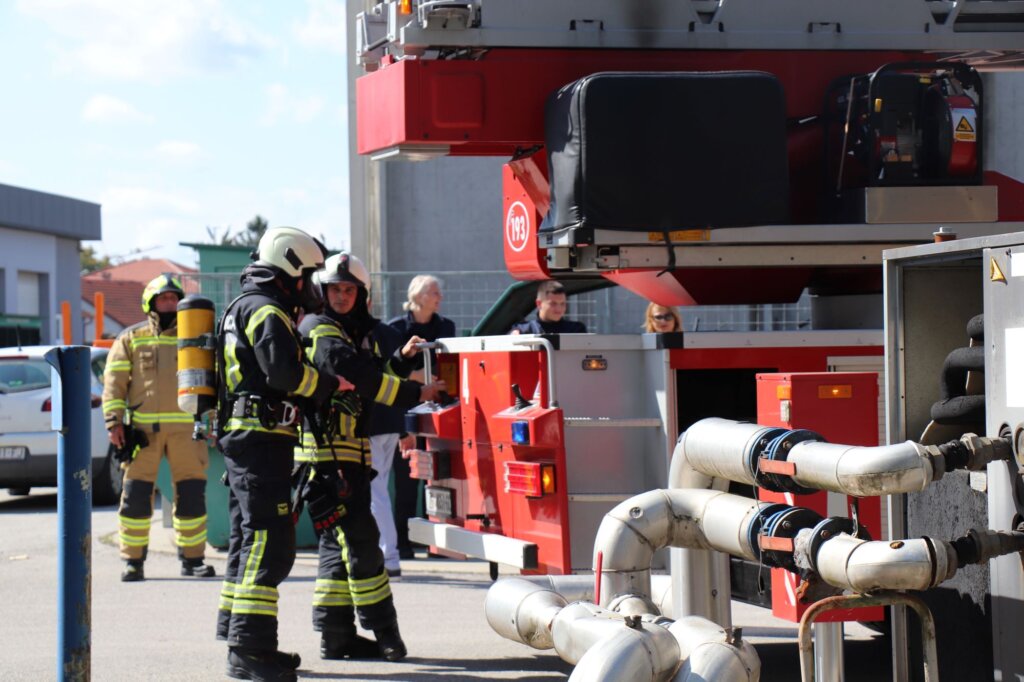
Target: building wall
x=443, y=214
x=67, y=286
x=32, y=253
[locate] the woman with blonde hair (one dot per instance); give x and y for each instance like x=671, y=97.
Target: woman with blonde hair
x=659, y=319
x=422, y=319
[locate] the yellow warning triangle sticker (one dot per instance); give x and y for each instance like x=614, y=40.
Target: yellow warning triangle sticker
x=964, y=126
x=995, y=273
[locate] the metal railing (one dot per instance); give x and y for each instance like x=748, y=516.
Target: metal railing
x=468, y=295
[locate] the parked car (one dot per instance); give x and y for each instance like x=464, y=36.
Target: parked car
x=28, y=444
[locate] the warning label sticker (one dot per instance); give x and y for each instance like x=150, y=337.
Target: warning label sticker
x=965, y=128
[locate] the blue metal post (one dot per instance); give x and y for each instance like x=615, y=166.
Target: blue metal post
x=71, y=420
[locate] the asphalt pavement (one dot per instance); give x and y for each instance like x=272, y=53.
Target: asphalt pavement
x=163, y=628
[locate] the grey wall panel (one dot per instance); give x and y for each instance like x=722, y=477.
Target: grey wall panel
x=444, y=214
x=68, y=287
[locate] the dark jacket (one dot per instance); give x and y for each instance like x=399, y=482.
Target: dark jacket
x=563, y=326
x=378, y=378
x=437, y=327
x=392, y=420
x=262, y=355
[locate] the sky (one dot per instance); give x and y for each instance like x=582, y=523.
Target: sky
x=178, y=115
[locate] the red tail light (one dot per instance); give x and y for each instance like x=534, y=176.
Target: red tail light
x=532, y=479
x=94, y=401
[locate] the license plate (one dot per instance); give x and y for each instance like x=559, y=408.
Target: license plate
x=439, y=501
x=13, y=452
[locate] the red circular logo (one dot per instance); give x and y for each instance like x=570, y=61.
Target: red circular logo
x=517, y=226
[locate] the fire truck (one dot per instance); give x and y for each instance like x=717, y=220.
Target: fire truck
x=694, y=152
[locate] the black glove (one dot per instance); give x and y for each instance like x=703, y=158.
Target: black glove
x=134, y=440
x=323, y=493
x=347, y=403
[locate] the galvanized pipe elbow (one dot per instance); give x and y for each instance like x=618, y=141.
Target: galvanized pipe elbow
x=709, y=652
x=868, y=566
x=697, y=519
x=522, y=611
x=642, y=653
x=862, y=471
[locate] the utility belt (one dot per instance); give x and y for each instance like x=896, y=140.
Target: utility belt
x=270, y=413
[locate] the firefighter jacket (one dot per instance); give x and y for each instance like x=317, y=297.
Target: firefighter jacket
x=141, y=380
x=260, y=357
x=378, y=380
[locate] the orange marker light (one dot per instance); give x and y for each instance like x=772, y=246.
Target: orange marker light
x=405, y=7
x=835, y=391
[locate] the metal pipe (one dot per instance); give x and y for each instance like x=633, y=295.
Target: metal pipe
x=638, y=651
x=428, y=360
x=71, y=420
x=580, y=587
x=868, y=566
x=863, y=471
x=631, y=532
x=931, y=658
x=700, y=578
x=828, y=652
x=711, y=652
x=522, y=611
x=550, y=350
x=722, y=448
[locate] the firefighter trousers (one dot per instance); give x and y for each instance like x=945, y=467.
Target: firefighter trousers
x=188, y=460
x=351, y=578
x=261, y=547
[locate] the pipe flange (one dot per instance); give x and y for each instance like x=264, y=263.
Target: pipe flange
x=757, y=449
x=828, y=529
x=784, y=525
x=777, y=449
x=758, y=522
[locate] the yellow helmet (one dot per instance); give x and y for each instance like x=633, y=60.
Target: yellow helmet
x=160, y=285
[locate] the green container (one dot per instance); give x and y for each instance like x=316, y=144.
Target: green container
x=218, y=525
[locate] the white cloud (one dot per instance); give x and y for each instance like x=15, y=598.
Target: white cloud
x=323, y=27
x=150, y=40
x=179, y=149
x=142, y=200
x=108, y=109
x=293, y=195
x=283, y=106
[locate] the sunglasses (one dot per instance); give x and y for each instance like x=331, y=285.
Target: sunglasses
x=662, y=318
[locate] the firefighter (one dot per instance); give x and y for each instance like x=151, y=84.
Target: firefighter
x=263, y=380
x=351, y=577
x=140, y=387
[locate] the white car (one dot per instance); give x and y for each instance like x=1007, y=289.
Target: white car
x=28, y=444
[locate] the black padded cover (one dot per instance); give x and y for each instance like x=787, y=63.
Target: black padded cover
x=667, y=151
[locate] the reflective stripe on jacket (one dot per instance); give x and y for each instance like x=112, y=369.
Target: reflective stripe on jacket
x=141, y=375
x=377, y=380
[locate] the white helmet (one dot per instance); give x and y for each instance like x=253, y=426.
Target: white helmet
x=290, y=250
x=344, y=267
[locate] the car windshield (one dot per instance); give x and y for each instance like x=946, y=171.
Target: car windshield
x=23, y=374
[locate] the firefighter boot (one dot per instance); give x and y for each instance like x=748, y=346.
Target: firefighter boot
x=196, y=567
x=392, y=648
x=262, y=666
x=132, y=572
x=335, y=646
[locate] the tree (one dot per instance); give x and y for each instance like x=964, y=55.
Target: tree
x=249, y=237
x=91, y=261
x=254, y=229
x=220, y=238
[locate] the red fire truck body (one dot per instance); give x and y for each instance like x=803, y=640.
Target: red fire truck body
x=870, y=104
